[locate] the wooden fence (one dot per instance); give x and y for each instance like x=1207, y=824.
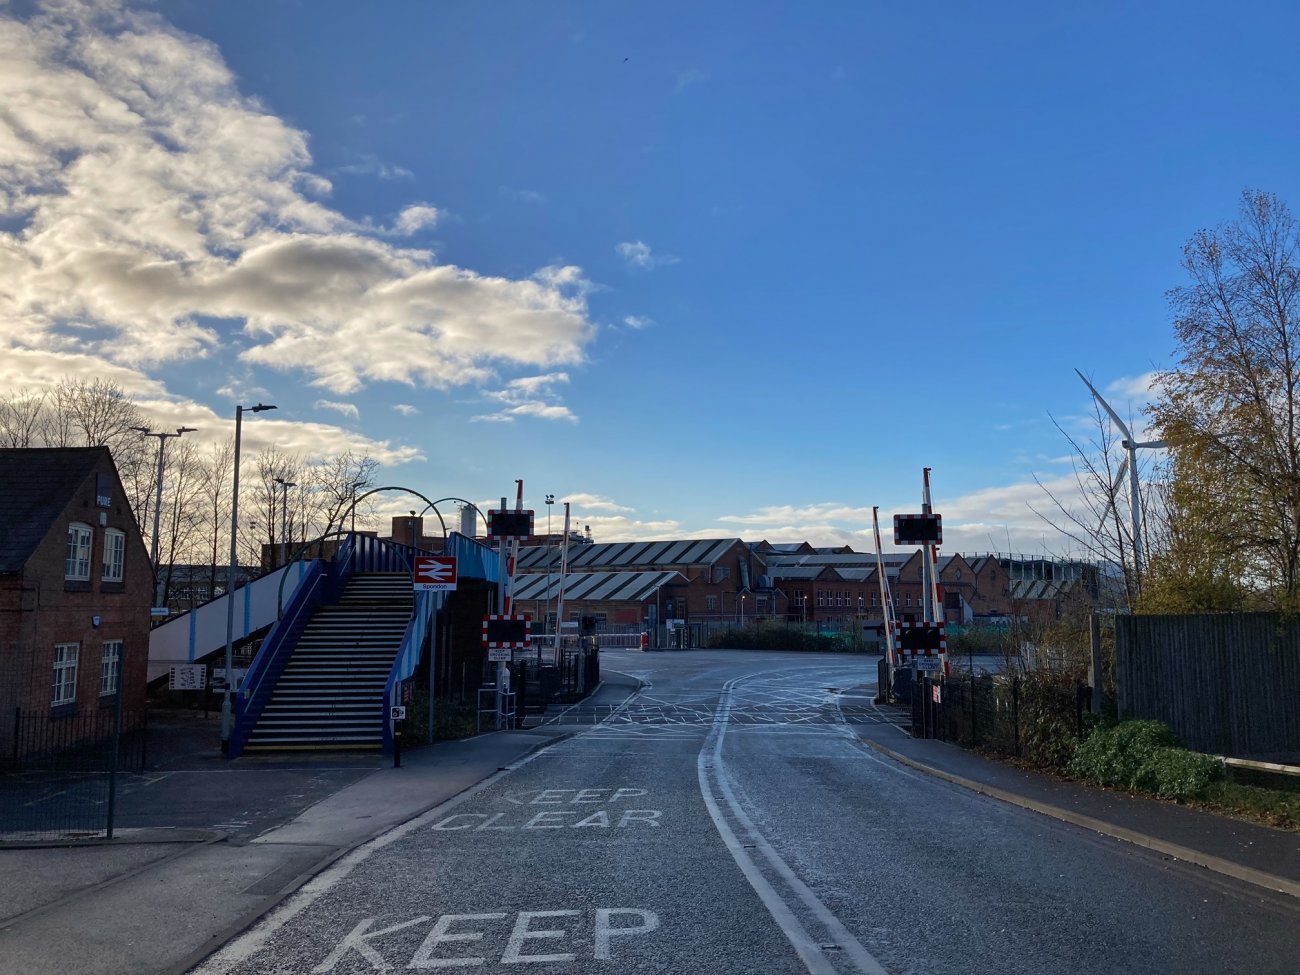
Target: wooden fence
x=1228, y=684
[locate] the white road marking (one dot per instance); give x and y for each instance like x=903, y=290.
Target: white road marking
x=804, y=945
x=605, y=931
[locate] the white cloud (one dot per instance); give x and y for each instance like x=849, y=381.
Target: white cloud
x=415, y=218
x=23, y=368
x=594, y=502
x=347, y=409
x=529, y=396
x=156, y=213
x=638, y=254
x=369, y=165
x=637, y=322
x=406, y=409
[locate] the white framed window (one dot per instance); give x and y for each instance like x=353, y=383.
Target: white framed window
x=65, y=672
x=114, y=554
x=78, y=562
x=712, y=603
x=110, y=658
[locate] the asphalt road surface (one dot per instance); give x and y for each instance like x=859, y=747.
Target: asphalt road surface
x=727, y=820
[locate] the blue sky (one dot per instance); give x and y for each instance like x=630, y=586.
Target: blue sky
x=706, y=269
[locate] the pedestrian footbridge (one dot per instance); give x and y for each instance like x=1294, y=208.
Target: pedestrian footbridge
x=342, y=635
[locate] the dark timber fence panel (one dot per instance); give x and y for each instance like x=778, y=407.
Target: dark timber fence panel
x=1226, y=683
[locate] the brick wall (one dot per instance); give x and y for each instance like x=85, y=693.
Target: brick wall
x=40, y=609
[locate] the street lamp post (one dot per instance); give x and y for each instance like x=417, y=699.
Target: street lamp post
x=230, y=577
x=284, y=517
x=742, y=609
x=550, y=548
x=157, y=505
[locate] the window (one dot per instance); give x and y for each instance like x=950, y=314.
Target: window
x=114, y=553
x=109, y=659
x=821, y=597
x=712, y=603
x=78, y=564
x=65, y=672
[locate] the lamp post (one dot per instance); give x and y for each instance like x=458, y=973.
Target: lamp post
x=550, y=547
x=157, y=505
x=742, y=608
x=284, y=517
x=230, y=577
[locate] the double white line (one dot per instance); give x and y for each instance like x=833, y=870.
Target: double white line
x=715, y=787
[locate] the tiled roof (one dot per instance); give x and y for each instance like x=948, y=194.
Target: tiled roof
x=35, y=486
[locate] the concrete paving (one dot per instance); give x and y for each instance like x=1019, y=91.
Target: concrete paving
x=158, y=900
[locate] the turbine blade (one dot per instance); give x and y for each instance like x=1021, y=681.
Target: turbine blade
x=1106, y=406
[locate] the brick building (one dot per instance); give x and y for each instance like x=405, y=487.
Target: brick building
x=75, y=585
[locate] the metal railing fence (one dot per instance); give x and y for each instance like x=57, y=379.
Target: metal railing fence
x=1008, y=715
x=58, y=775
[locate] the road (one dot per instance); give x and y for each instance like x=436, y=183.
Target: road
x=728, y=820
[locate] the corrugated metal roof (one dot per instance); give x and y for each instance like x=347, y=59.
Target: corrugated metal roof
x=628, y=554
x=603, y=586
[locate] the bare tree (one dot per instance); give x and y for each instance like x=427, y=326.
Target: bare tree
x=23, y=415
x=182, y=526
x=1233, y=398
x=263, y=498
x=331, y=485
x=214, y=493
x=1097, y=520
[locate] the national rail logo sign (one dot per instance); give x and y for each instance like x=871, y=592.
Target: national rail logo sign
x=434, y=573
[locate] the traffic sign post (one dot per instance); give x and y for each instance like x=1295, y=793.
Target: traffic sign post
x=434, y=573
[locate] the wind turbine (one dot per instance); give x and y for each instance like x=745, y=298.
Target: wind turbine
x=1131, y=445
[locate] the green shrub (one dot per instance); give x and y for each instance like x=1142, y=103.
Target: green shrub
x=1176, y=773
x=1049, y=718
x=1114, y=756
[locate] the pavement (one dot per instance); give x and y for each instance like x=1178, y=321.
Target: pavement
x=166, y=894
x=1260, y=855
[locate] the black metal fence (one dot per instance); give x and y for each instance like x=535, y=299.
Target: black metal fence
x=539, y=684
x=58, y=774
x=1032, y=716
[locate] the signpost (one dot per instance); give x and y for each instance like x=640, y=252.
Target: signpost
x=187, y=677
x=434, y=573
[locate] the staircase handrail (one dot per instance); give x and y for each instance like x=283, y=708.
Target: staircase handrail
x=344, y=556
x=408, y=655
x=275, y=651
x=473, y=560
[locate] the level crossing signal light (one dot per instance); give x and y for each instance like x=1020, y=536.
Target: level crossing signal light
x=926, y=529
x=507, y=631
x=921, y=638
x=510, y=524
